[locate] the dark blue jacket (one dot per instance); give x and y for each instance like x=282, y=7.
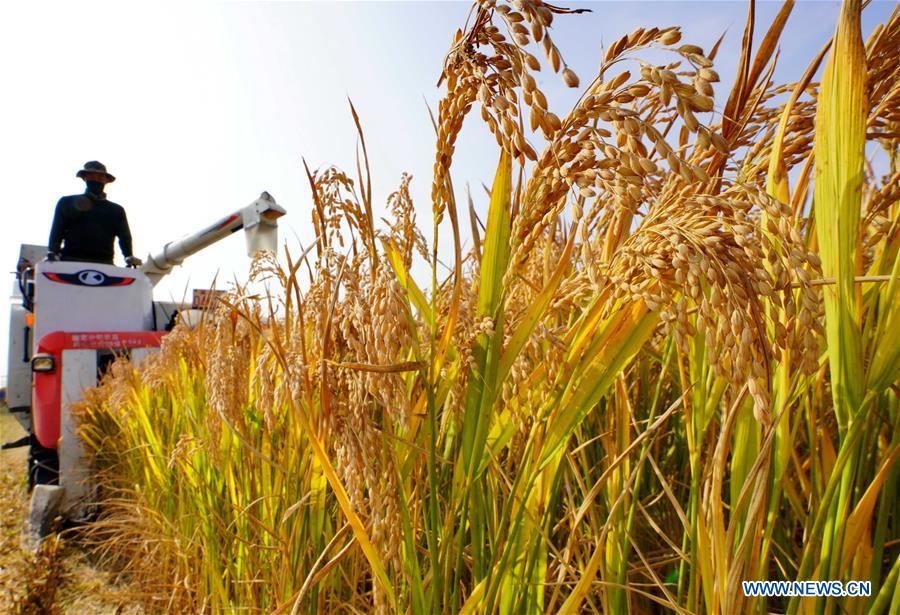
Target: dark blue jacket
x=85, y=227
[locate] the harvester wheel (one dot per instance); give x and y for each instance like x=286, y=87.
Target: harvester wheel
x=43, y=465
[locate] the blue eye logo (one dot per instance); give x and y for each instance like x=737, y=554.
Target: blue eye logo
x=89, y=277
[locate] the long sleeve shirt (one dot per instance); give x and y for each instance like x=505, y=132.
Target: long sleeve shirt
x=85, y=227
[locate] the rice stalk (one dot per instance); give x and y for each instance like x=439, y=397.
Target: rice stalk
x=629, y=396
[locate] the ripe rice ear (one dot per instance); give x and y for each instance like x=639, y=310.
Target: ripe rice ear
x=493, y=439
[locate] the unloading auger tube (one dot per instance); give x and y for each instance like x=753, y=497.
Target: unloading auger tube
x=260, y=223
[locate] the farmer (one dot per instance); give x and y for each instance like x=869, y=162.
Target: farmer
x=85, y=225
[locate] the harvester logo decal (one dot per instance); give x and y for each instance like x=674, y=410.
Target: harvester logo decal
x=89, y=277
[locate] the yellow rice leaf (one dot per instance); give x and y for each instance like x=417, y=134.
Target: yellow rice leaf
x=473, y=603
x=827, y=454
x=539, y=305
x=861, y=517
x=617, y=341
x=886, y=358
x=496, y=240
x=483, y=385
x=356, y=524
x=777, y=181
x=839, y=154
x=573, y=602
x=416, y=296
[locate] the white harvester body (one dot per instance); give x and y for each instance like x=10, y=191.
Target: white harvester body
x=18, y=382
x=73, y=296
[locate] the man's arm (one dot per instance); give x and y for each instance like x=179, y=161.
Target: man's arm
x=58, y=229
x=124, y=234
x=125, y=243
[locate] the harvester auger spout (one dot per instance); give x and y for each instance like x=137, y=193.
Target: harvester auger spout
x=259, y=220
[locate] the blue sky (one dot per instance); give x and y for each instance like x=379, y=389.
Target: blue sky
x=199, y=106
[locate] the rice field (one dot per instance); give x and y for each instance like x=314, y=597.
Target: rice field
x=666, y=362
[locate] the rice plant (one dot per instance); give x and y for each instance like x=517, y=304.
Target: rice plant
x=668, y=363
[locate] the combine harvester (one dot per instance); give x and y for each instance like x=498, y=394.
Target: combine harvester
x=68, y=320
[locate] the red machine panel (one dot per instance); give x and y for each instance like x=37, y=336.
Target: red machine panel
x=48, y=385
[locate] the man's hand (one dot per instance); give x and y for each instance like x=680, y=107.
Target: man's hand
x=51, y=257
x=133, y=262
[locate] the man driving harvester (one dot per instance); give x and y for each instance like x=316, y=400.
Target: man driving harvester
x=85, y=226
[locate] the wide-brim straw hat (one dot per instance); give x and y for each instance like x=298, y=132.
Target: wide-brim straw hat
x=96, y=168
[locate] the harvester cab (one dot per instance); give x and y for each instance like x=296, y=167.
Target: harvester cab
x=67, y=321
